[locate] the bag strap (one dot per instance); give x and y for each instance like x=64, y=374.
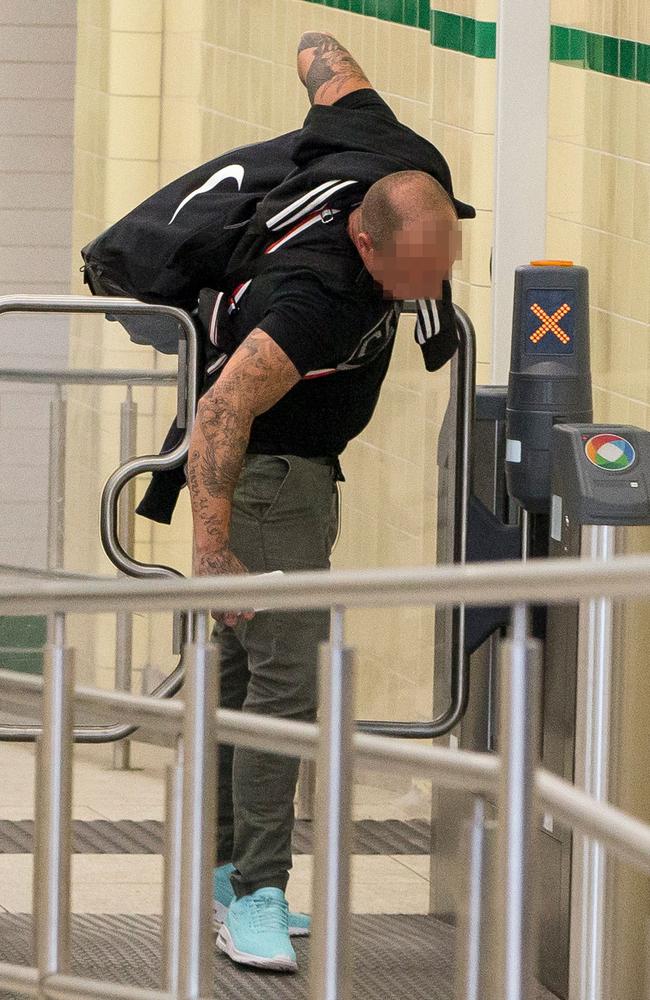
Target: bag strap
x=262, y=261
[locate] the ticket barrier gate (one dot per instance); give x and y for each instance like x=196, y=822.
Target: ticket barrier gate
x=600, y=488
x=510, y=476
x=600, y=484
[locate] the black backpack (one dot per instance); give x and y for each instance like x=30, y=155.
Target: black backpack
x=209, y=228
x=182, y=238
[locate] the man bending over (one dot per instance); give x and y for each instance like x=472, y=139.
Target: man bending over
x=314, y=334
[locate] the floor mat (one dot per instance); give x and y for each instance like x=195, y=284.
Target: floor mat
x=129, y=837
x=394, y=957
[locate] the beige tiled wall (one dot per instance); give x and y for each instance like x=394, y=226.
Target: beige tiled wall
x=599, y=205
x=462, y=109
x=136, y=110
x=599, y=209
x=37, y=67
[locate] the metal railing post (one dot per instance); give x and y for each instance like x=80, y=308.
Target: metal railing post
x=56, y=481
x=519, y=707
x=588, y=958
x=172, y=870
x=330, y=966
x=53, y=808
x=198, y=815
x=474, y=934
x=126, y=528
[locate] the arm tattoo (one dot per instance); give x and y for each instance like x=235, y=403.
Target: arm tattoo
x=252, y=382
x=332, y=66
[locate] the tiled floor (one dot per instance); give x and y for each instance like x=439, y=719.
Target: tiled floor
x=110, y=883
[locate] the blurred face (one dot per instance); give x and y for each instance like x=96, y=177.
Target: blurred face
x=418, y=260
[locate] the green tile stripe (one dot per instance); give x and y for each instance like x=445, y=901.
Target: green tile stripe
x=21, y=640
x=414, y=13
x=464, y=34
x=621, y=57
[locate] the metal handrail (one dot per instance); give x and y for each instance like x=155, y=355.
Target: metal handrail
x=459, y=680
x=513, y=774
x=468, y=769
x=187, y=389
x=8, y=569
x=89, y=376
x=540, y=581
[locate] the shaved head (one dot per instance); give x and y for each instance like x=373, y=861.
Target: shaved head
x=399, y=199
x=408, y=235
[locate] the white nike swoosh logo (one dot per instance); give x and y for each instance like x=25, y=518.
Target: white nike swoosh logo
x=236, y=171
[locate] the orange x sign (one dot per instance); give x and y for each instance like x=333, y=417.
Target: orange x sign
x=550, y=323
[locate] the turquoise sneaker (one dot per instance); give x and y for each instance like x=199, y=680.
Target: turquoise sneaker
x=223, y=895
x=256, y=931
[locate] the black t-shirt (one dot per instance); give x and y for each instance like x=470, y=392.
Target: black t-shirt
x=312, y=295
x=316, y=300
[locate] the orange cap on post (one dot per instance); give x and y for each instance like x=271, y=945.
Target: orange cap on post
x=551, y=263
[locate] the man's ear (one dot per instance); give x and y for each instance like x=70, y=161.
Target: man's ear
x=364, y=243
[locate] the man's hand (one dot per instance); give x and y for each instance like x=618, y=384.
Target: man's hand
x=257, y=375
x=327, y=69
x=213, y=563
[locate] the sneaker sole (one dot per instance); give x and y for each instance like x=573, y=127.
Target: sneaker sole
x=280, y=963
x=220, y=912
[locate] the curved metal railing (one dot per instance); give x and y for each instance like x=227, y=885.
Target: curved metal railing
x=459, y=686
x=186, y=378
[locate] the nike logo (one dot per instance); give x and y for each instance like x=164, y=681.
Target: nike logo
x=236, y=172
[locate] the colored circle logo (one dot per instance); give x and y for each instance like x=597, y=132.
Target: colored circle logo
x=610, y=452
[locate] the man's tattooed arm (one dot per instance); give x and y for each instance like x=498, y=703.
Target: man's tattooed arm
x=327, y=69
x=256, y=377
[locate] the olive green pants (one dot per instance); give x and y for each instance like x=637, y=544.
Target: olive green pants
x=284, y=518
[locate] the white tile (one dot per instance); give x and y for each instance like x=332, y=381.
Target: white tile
x=45, y=117
x=118, y=897
x=23, y=411
x=146, y=809
x=34, y=263
x=406, y=800
x=15, y=814
x=109, y=869
x=420, y=864
x=29, y=44
x=12, y=443
x=32, y=288
x=39, y=80
x=35, y=335
x=25, y=550
x=379, y=885
x=33, y=12
x=36, y=226
x=36, y=190
x=86, y=897
x=24, y=484
x=29, y=153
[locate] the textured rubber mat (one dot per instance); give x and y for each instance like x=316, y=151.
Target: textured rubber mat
x=130, y=837
x=394, y=957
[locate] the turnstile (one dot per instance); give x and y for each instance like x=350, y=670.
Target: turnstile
x=601, y=477
x=600, y=487
x=491, y=514
x=549, y=382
